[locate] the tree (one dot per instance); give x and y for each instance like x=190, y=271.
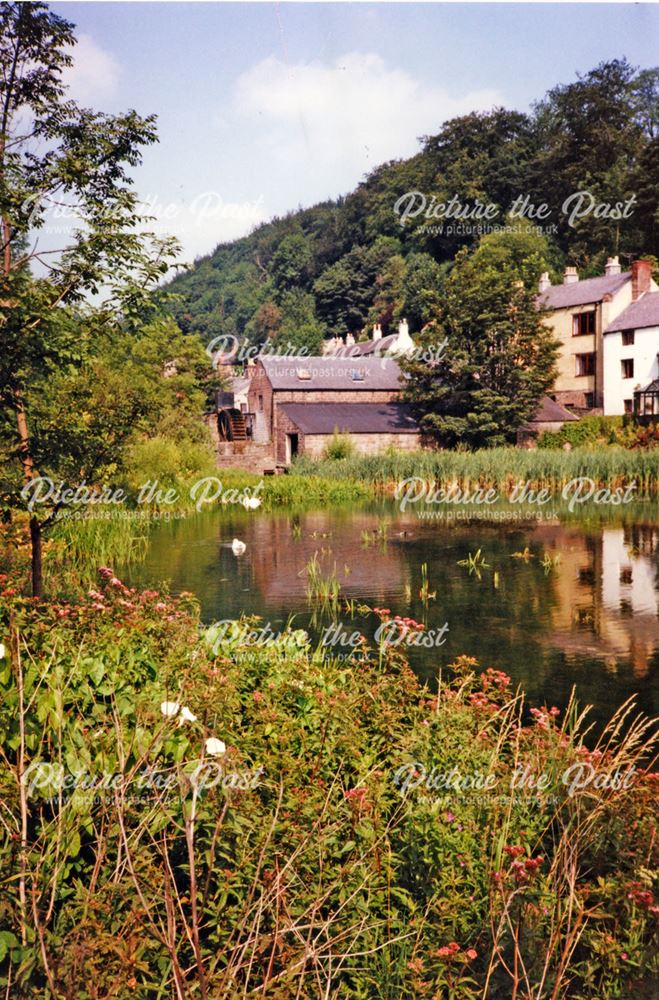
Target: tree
x=422, y=287
x=645, y=101
x=388, y=301
x=346, y=291
x=590, y=133
x=266, y=321
x=291, y=263
x=52, y=151
x=300, y=327
x=498, y=357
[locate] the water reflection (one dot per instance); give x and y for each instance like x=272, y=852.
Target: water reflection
x=590, y=618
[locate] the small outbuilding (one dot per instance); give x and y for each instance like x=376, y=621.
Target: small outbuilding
x=307, y=430
x=550, y=416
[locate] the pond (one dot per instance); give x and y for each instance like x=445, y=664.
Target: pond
x=557, y=603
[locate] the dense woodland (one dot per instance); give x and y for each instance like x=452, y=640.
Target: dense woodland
x=341, y=265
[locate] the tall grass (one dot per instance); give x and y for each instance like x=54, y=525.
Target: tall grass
x=80, y=547
x=297, y=490
x=500, y=468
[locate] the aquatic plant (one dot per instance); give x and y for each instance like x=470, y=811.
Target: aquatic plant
x=500, y=468
x=550, y=561
x=425, y=593
x=321, y=588
x=475, y=563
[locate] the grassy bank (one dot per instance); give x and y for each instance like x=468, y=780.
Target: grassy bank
x=500, y=468
x=296, y=831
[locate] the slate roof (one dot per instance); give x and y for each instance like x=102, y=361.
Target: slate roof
x=333, y=373
x=353, y=418
x=549, y=411
x=581, y=293
x=644, y=312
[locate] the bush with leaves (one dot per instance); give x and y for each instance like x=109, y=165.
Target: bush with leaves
x=253, y=819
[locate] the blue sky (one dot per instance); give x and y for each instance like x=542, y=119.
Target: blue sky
x=265, y=107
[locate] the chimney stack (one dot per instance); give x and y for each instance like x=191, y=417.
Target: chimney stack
x=544, y=282
x=403, y=343
x=612, y=266
x=570, y=276
x=350, y=340
x=377, y=332
x=641, y=278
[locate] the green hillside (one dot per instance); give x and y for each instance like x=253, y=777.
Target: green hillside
x=588, y=152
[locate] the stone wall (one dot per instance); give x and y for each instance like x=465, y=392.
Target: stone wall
x=364, y=444
x=259, y=402
x=249, y=456
x=246, y=455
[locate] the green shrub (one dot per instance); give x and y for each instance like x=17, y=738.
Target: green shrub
x=594, y=430
x=312, y=861
x=341, y=446
x=172, y=464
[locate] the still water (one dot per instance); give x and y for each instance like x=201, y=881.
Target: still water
x=558, y=603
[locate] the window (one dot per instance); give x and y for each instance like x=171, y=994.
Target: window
x=628, y=405
x=260, y=404
x=627, y=338
x=304, y=374
x=585, y=364
x=627, y=366
x=583, y=323
x=589, y=400
x=357, y=376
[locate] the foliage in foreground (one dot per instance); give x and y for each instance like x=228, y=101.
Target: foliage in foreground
x=291, y=864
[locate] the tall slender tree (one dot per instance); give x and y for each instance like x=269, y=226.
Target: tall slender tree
x=55, y=154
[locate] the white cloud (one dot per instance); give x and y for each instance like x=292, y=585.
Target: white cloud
x=332, y=122
x=206, y=219
x=94, y=74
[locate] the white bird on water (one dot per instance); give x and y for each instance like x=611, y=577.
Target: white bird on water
x=238, y=547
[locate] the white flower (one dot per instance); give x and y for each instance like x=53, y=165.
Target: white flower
x=2, y=650
x=215, y=747
x=169, y=709
x=186, y=716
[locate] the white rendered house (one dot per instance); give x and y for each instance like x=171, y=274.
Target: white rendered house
x=631, y=359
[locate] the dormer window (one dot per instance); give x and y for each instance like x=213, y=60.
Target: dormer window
x=304, y=374
x=356, y=376
x=627, y=338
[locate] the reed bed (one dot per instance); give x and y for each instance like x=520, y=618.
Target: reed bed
x=500, y=468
